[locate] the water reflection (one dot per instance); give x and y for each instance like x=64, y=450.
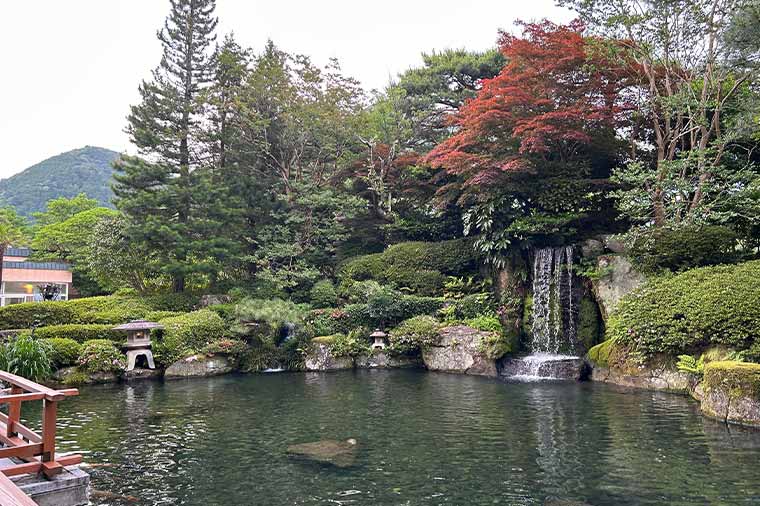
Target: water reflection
x=424, y=439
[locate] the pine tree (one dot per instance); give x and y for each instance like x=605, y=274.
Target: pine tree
x=158, y=195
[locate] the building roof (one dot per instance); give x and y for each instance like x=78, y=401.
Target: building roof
x=38, y=266
x=17, y=252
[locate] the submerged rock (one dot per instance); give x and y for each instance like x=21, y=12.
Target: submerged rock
x=459, y=350
x=326, y=451
x=199, y=366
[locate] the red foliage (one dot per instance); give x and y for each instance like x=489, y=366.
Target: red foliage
x=557, y=89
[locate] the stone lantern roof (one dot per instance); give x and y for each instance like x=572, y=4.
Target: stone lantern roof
x=378, y=333
x=139, y=325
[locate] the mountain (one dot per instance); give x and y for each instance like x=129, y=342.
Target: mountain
x=86, y=170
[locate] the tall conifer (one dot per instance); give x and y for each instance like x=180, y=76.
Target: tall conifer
x=158, y=193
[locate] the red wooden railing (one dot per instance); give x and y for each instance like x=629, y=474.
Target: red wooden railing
x=35, y=452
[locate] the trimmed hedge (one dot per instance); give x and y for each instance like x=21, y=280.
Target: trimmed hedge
x=186, y=334
x=91, y=310
x=81, y=332
x=419, y=266
x=680, y=314
x=63, y=352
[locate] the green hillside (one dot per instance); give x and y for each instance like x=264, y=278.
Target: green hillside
x=85, y=170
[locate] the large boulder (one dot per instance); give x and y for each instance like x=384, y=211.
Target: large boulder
x=459, y=350
x=327, y=451
x=619, y=278
x=731, y=392
x=198, y=366
x=320, y=358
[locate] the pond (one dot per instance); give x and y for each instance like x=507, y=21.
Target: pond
x=423, y=439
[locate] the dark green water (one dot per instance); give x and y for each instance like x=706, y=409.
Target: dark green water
x=424, y=439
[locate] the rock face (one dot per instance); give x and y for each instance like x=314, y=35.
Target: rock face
x=212, y=300
x=382, y=360
x=458, y=350
x=731, y=392
x=198, y=366
x=620, y=279
x=646, y=378
x=327, y=451
x=320, y=358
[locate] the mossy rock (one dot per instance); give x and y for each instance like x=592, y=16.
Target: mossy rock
x=740, y=379
x=589, y=324
x=603, y=354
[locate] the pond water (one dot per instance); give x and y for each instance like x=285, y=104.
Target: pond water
x=423, y=439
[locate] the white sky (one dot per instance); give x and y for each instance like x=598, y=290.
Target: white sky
x=72, y=67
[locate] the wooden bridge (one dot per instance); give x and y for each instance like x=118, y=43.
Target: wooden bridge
x=32, y=453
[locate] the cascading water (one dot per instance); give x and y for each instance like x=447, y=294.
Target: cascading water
x=553, y=343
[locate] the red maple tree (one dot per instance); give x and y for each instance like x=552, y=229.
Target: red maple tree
x=557, y=90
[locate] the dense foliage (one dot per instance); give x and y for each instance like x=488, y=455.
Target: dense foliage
x=678, y=314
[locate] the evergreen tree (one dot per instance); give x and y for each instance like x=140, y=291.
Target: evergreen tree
x=166, y=211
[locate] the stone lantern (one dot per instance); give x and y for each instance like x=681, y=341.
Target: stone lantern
x=380, y=339
x=138, y=341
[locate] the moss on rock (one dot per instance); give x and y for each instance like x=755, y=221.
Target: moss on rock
x=589, y=323
x=739, y=379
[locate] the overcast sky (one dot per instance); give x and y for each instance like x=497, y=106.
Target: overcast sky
x=72, y=67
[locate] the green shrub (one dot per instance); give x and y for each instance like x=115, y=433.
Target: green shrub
x=683, y=248
x=226, y=346
x=154, y=316
x=414, y=334
x=183, y=302
x=63, y=351
x=473, y=306
x=496, y=345
x=739, y=379
x=26, y=356
x=81, y=332
x=323, y=294
x=100, y=355
x=273, y=312
x=679, y=314
x=353, y=344
x=418, y=266
x=359, y=292
x=259, y=356
x=485, y=323
x=186, y=334
x=225, y=311
x=324, y=322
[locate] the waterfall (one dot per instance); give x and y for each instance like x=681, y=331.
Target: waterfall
x=554, y=325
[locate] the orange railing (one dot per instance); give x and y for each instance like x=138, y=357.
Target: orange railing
x=34, y=452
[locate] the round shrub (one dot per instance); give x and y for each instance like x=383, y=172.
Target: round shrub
x=679, y=314
x=359, y=292
x=683, y=248
x=411, y=335
x=353, y=344
x=186, y=334
x=63, y=351
x=323, y=294
x=226, y=346
x=100, y=355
